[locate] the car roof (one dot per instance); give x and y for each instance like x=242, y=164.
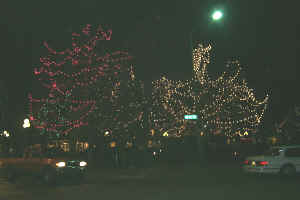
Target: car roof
x=287, y=146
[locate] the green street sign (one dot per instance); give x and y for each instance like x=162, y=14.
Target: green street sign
x=190, y=116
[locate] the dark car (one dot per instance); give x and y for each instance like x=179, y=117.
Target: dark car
x=51, y=165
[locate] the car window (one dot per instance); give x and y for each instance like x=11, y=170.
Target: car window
x=292, y=152
x=36, y=154
x=272, y=152
x=54, y=152
x=58, y=152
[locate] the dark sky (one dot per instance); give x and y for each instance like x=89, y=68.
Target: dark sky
x=262, y=34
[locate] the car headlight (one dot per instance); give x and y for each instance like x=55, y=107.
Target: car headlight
x=82, y=163
x=61, y=164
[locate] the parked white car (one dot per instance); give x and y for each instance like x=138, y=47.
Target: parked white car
x=281, y=159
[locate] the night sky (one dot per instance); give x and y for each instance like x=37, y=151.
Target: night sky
x=262, y=34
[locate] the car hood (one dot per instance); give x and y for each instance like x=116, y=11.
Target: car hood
x=69, y=158
x=260, y=157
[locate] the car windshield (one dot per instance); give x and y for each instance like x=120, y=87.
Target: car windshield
x=58, y=152
x=272, y=152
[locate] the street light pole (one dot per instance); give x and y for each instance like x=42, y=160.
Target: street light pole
x=201, y=142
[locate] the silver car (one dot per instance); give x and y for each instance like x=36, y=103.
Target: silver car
x=280, y=159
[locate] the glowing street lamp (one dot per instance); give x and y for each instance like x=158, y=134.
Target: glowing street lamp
x=217, y=15
x=26, y=123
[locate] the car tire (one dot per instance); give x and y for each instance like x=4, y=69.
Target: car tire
x=288, y=171
x=11, y=174
x=82, y=176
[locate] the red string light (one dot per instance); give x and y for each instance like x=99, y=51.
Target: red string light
x=64, y=71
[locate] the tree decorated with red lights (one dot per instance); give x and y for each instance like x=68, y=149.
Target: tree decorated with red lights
x=225, y=105
x=70, y=78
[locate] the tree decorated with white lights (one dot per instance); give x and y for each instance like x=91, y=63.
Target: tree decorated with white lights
x=70, y=78
x=171, y=101
x=225, y=105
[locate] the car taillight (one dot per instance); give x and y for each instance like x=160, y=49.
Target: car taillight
x=246, y=162
x=82, y=163
x=263, y=163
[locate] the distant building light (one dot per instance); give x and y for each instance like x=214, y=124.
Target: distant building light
x=113, y=144
x=6, y=133
x=26, y=123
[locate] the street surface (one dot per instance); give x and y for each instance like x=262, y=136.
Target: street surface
x=161, y=182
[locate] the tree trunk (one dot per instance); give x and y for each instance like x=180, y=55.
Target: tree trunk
x=99, y=153
x=72, y=143
x=202, y=146
x=91, y=149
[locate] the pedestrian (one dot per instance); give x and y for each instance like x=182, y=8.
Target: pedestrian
x=116, y=154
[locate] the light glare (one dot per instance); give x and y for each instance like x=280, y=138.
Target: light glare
x=60, y=164
x=217, y=15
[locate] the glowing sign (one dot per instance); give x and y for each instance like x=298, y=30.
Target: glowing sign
x=190, y=116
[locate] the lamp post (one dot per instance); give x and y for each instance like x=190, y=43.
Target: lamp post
x=215, y=18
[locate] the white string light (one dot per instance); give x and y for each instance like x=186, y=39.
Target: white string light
x=225, y=104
